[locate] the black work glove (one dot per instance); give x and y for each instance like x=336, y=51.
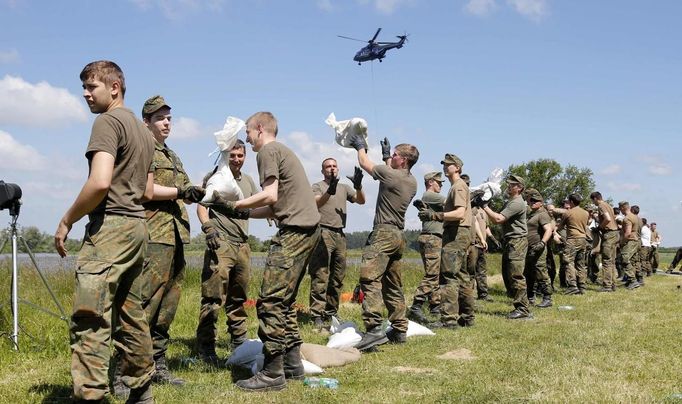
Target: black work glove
x=419, y=204
x=356, y=179
x=212, y=235
x=538, y=247
x=428, y=215
x=385, y=149
x=332, y=185
x=358, y=142
x=191, y=193
x=235, y=213
x=478, y=202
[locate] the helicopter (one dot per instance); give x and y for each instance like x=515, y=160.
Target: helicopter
x=376, y=50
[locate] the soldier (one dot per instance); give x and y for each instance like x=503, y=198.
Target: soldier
x=430, y=242
x=629, y=242
x=609, y=241
x=457, y=295
x=328, y=264
x=227, y=266
x=645, y=249
x=513, y=220
x=288, y=198
x=574, y=221
x=655, y=243
x=639, y=273
x=380, y=277
x=168, y=226
x=119, y=157
x=540, y=229
x=675, y=261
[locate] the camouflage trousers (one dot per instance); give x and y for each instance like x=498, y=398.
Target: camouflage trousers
x=513, y=264
x=108, y=303
x=457, y=293
x=576, y=263
x=161, y=279
x=645, y=260
x=536, y=273
x=654, y=258
x=224, y=283
x=327, y=272
x=381, y=279
x=429, y=248
x=290, y=252
x=608, y=250
x=630, y=255
x=478, y=269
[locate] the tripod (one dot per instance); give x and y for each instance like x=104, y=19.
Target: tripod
x=14, y=236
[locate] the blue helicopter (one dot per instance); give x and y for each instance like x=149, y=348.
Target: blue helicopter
x=376, y=50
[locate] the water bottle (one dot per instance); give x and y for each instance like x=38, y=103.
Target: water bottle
x=565, y=308
x=321, y=382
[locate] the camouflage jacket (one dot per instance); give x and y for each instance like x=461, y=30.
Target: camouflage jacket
x=164, y=218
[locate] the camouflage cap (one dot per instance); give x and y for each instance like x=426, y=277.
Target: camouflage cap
x=434, y=175
x=516, y=179
x=452, y=159
x=154, y=104
x=534, y=195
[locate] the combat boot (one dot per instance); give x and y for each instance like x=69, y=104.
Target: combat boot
x=440, y=324
x=209, y=356
x=270, y=378
x=372, y=338
x=572, y=291
x=516, y=314
x=293, y=366
x=396, y=337
x=434, y=310
x=415, y=313
x=119, y=389
x=163, y=375
x=141, y=395
x=546, y=302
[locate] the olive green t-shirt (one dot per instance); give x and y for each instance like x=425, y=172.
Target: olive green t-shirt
x=434, y=201
x=634, y=222
x=575, y=221
x=604, y=208
x=234, y=229
x=515, y=213
x=333, y=212
x=119, y=133
x=458, y=196
x=295, y=204
x=536, y=221
x=397, y=187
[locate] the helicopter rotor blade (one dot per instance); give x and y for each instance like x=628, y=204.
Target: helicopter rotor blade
x=375, y=36
x=352, y=39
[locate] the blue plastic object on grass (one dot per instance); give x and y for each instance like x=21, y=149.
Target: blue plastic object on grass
x=321, y=382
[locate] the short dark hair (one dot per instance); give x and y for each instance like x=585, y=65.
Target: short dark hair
x=634, y=209
x=575, y=198
x=596, y=195
x=105, y=71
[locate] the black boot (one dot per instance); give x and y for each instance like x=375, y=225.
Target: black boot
x=415, y=313
x=268, y=379
x=163, y=375
x=546, y=302
x=293, y=367
x=375, y=336
x=118, y=388
x=208, y=355
x=141, y=395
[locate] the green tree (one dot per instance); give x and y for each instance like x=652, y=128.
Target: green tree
x=553, y=181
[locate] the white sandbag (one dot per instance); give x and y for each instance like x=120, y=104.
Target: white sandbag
x=346, y=338
x=248, y=355
x=310, y=368
x=346, y=129
x=337, y=326
x=414, y=329
x=222, y=181
x=492, y=187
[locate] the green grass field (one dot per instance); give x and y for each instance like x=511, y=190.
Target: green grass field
x=613, y=347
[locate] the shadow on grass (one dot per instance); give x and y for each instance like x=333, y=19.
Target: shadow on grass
x=52, y=393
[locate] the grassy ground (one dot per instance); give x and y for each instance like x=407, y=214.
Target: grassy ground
x=614, y=347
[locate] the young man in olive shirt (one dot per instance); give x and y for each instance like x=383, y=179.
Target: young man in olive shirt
x=608, y=229
x=574, y=220
x=119, y=157
x=380, y=277
x=540, y=230
x=629, y=245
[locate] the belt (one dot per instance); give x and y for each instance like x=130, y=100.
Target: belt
x=334, y=229
x=433, y=234
x=387, y=226
x=299, y=229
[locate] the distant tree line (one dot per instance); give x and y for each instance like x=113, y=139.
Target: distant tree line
x=38, y=241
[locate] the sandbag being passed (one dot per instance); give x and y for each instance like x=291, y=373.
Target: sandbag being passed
x=222, y=182
x=346, y=129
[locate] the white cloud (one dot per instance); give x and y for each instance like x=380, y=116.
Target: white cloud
x=325, y=5
x=38, y=105
x=624, y=186
x=176, y=9
x=660, y=169
x=386, y=6
x=480, y=8
x=17, y=156
x=656, y=164
x=10, y=56
x=613, y=169
x=535, y=10
x=186, y=128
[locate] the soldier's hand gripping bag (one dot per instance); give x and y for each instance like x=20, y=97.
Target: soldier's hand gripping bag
x=222, y=181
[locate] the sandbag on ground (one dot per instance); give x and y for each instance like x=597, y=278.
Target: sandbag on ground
x=415, y=329
x=326, y=357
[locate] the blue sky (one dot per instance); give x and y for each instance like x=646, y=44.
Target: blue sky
x=592, y=83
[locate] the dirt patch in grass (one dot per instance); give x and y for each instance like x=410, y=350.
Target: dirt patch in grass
x=461, y=354
x=408, y=369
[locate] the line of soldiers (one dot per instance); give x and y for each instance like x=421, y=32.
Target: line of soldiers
x=131, y=265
